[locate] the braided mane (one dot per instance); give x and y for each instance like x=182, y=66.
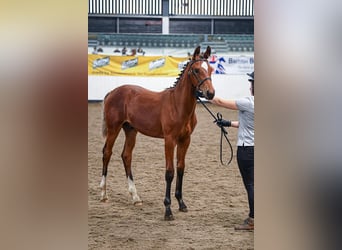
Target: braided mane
x=179, y=76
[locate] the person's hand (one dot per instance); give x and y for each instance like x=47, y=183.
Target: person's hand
x=223, y=123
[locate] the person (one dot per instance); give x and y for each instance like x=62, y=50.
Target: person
x=133, y=52
x=94, y=51
x=245, y=144
x=141, y=51
x=124, y=50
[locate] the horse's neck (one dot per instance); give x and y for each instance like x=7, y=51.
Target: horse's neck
x=184, y=96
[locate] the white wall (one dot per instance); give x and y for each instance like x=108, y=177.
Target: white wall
x=226, y=86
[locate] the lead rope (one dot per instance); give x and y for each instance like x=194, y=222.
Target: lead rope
x=223, y=133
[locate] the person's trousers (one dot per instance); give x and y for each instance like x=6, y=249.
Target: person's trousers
x=245, y=159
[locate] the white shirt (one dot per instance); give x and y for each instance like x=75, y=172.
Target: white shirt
x=246, y=121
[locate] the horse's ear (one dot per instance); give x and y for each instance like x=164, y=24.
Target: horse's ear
x=196, y=52
x=207, y=52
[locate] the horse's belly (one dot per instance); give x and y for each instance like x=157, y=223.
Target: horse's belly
x=148, y=133
x=149, y=128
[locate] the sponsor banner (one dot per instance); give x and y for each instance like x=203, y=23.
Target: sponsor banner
x=232, y=65
x=135, y=65
x=163, y=65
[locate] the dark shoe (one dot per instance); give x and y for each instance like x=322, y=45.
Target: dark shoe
x=248, y=224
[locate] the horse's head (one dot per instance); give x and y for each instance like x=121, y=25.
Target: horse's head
x=200, y=72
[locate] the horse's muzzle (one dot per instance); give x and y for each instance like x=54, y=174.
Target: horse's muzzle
x=210, y=95
x=207, y=94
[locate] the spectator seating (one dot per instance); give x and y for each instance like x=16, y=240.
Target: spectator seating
x=219, y=42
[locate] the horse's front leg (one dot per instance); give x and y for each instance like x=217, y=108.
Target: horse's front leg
x=169, y=173
x=182, y=148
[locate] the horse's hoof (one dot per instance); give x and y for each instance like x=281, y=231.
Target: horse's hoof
x=168, y=217
x=183, y=209
x=138, y=203
x=105, y=199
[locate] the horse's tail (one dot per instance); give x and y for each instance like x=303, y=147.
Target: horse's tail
x=104, y=124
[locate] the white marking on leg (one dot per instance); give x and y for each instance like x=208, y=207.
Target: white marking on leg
x=133, y=191
x=103, y=188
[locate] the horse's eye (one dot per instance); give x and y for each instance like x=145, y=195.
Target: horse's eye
x=196, y=71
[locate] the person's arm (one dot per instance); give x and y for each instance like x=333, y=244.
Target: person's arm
x=229, y=104
x=235, y=124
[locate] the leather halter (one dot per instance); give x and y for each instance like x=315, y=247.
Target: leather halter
x=200, y=82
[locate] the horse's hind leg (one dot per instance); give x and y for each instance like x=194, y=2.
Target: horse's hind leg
x=126, y=156
x=107, y=152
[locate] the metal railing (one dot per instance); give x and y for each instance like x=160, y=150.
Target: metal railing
x=125, y=7
x=223, y=8
x=212, y=7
